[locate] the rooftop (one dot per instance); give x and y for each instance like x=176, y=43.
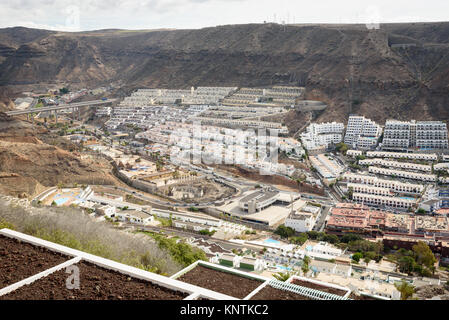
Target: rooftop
x=260, y=196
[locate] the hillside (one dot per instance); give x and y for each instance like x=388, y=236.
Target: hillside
x=353, y=69
x=29, y=166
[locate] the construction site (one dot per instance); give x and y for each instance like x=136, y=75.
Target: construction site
x=200, y=191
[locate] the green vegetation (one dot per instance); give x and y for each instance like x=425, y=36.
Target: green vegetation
x=367, y=250
x=282, y=276
x=110, y=220
x=405, y=289
x=322, y=236
x=207, y=232
x=350, y=193
x=165, y=222
x=314, y=204
x=342, y=148
x=305, y=264
x=4, y=224
x=194, y=209
x=419, y=260
x=300, y=240
x=70, y=227
x=355, y=166
x=284, y=232
x=181, y=252
x=363, y=249
x=357, y=256
x=64, y=90
x=421, y=211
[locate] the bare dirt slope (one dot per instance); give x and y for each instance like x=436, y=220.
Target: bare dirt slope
x=28, y=165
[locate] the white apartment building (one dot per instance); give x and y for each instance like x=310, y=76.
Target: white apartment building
x=392, y=202
x=244, y=123
x=327, y=168
x=431, y=135
x=354, y=153
x=366, y=188
x=403, y=174
x=300, y=221
x=259, y=200
x=362, y=133
x=186, y=217
x=441, y=166
x=324, y=248
x=402, y=135
x=403, y=155
x=396, y=164
x=393, y=185
x=322, y=134
x=397, y=135
x=444, y=180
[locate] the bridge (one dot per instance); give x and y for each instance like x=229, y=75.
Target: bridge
x=76, y=105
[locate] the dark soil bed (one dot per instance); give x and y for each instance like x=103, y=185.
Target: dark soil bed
x=270, y=293
x=96, y=283
x=20, y=260
x=223, y=282
x=311, y=285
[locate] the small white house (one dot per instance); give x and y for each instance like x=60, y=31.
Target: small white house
x=107, y=210
x=134, y=216
x=300, y=222
x=326, y=249
x=322, y=266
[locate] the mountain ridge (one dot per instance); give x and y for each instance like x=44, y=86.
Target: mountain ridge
x=400, y=70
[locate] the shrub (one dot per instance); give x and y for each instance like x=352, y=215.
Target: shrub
x=405, y=289
x=282, y=276
x=70, y=227
x=357, y=256
x=180, y=251
x=207, y=232
x=284, y=232
x=4, y=224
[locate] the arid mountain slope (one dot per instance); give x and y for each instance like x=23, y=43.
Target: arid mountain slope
x=353, y=69
x=28, y=165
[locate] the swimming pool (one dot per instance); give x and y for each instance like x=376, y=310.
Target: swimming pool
x=61, y=201
x=271, y=241
x=284, y=268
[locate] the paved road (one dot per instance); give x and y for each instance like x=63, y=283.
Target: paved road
x=319, y=225
x=61, y=107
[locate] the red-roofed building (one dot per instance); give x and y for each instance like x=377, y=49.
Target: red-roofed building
x=356, y=218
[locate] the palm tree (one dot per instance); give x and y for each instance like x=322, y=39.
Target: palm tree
x=282, y=276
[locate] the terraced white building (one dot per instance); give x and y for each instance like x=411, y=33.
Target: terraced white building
x=322, y=134
x=403, y=174
x=393, y=185
x=362, y=133
x=396, y=164
x=403, y=135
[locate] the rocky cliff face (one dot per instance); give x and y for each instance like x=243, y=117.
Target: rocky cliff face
x=401, y=70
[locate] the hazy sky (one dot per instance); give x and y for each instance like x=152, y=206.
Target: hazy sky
x=76, y=15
